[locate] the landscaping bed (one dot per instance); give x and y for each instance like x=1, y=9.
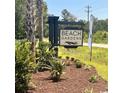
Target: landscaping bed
x=74, y=80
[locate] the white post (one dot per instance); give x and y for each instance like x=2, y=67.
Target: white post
x=90, y=35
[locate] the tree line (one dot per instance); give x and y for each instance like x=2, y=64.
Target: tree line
x=20, y=14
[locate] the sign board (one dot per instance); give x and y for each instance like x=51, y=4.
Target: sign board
x=69, y=37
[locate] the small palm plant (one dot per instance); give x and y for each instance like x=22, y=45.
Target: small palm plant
x=78, y=63
x=93, y=79
x=56, y=69
x=87, y=67
x=87, y=90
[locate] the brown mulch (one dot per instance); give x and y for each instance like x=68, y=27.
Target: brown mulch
x=74, y=80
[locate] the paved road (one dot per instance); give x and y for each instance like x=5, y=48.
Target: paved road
x=97, y=45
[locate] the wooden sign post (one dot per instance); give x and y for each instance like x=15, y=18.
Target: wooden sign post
x=53, y=32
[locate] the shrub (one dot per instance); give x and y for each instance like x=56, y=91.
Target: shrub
x=78, y=64
x=100, y=37
x=60, y=57
x=93, y=79
x=56, y=69
x=85, y=37
x=44, y=55
x=88, y=90
x=72, y=59
x=67, y=61
x=67, y=57
x=87, y=67
x=24, y=66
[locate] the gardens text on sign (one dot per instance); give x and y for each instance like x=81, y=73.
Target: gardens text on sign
x=71, y=37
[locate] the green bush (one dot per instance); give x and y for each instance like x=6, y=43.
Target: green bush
x=85, y=38
x=56, y=69
x=93, y=79
x=78, y=64
x=24, y=66
x=44, y=55
x=68, y=62
x=98, y=37
x=88, y=90
x=87, y=67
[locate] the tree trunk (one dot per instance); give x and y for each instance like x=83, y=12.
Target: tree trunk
x=40, y=12
x=30, y=26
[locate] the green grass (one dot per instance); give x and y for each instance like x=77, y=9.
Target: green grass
x=99, y=58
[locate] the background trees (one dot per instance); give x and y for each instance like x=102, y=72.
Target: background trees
x=20, y=9
x=100, y=25
x=67, y=16
x=41, y=15
x=20, y=15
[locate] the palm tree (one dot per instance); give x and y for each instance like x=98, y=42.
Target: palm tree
x=40, y=17
x=30, y=26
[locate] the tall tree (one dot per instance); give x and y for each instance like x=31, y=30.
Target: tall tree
x=20, y=9
x=100, y=25
x=45, y=17
x=20, y=14
x=30, y=26
x=41, y=14
x=67, y=16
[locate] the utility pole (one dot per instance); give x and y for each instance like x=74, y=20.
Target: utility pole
x=89, y=29
x=88, y=13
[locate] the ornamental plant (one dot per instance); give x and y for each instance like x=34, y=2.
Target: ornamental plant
x=67, y=61
x=87, y=67
x=78, y=63
x=93, y=79
x=24, y=66
x=44, y=55
x=88, y=90
x=56, y=69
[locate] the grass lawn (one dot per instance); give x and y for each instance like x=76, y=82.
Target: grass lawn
x=99, y=58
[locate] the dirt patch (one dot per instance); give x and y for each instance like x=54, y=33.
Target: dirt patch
x=74, y=80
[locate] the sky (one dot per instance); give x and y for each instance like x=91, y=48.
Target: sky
x=99, y=8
